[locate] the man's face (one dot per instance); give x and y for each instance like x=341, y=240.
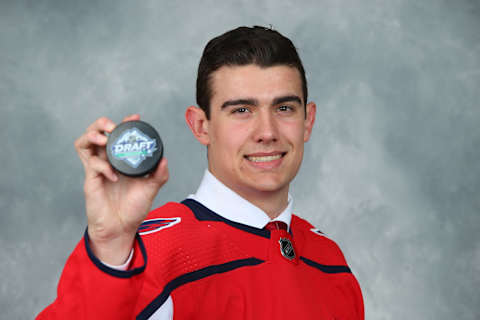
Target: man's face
x=257, y=128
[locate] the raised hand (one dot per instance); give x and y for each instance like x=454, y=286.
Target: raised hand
x=115, y=204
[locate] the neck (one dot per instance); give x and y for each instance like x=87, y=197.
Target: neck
x=271, y=202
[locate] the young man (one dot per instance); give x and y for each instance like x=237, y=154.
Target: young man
x=232, y=250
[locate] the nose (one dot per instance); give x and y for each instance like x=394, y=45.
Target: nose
x=266, y=128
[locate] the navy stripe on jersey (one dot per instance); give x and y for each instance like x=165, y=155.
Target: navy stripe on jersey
x=115, y=272
x=202, y=213
x=193, y=276
x=326, y=268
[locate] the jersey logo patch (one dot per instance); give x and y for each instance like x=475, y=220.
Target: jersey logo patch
x=154, y=225
x=286, y=248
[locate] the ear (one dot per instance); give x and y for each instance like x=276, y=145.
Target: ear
x=197, y=122
x=311, y=110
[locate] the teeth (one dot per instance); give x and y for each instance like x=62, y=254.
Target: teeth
x=265, y=158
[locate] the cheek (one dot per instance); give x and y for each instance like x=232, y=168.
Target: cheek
x=294, y=133
x=229, y=141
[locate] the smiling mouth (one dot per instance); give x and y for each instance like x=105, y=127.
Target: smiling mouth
x=265, y=158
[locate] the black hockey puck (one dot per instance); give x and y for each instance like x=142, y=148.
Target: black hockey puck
x=134, y=148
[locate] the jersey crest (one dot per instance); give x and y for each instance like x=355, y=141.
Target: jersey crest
x=157, y=224
x=286, y=248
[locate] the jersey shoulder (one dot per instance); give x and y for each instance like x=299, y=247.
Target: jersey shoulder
x=315, y=244
x=173, y=234
x=169, y=209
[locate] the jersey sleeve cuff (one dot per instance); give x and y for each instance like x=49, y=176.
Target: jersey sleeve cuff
x=124, y=266
x=112, y=270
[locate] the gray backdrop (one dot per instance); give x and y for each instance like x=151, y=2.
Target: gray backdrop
x=391, y=172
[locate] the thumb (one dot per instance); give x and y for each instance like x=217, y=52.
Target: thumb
x=160, y=176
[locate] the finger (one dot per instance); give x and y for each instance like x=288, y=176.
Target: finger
x=83, y=148
x=160, y=175
x=97, y=166
x=102, y=124
x=94, y=136
x=102, y=153
x=86, y=145
x=131, y=117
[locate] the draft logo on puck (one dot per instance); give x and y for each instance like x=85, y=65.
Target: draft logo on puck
x=133, y=147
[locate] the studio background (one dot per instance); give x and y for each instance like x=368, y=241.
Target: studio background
x=392, y=171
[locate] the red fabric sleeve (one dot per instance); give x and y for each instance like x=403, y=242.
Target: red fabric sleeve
x=354, y=294
x=90, y=290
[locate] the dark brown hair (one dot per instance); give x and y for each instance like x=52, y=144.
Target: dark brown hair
x=262, y=46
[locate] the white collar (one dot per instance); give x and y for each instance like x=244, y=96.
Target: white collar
x=217, y=197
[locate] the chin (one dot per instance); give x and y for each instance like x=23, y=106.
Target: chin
x=268, y=185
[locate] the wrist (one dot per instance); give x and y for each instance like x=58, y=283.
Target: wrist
x=114, y=250
x=122, y=267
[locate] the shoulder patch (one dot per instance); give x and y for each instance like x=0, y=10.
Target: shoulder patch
x=157, y=224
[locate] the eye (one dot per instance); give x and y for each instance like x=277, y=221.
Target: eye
x=240, y=110
x=285, y=108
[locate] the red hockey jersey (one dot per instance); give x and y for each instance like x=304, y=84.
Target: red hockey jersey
x=212, y=268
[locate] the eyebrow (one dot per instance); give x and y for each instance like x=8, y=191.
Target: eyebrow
x=291, y=98
x=254, y=102
x=236, y=102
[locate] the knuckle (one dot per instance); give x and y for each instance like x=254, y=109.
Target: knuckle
x=104, y=123
x=91, y=135
x=102, y=120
